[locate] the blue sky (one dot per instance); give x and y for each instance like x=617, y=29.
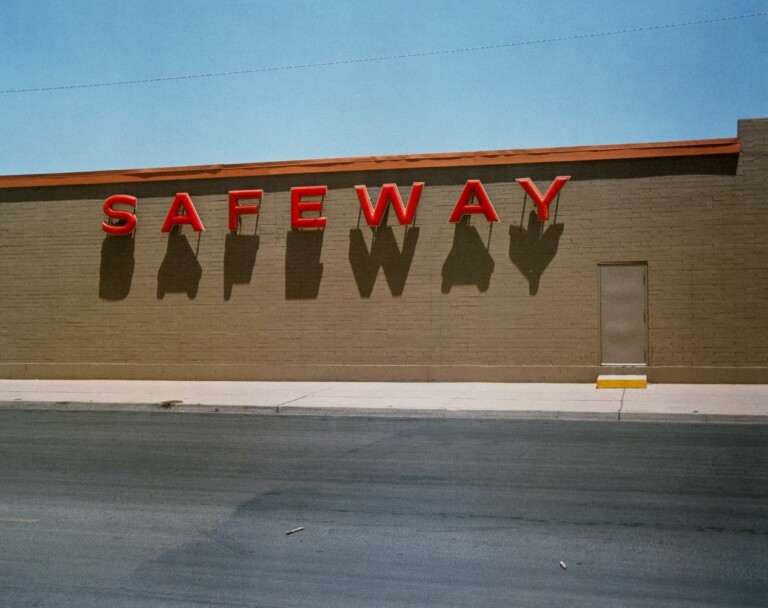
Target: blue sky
x=690, y=82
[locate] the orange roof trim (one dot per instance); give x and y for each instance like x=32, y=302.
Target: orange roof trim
x=703, y=147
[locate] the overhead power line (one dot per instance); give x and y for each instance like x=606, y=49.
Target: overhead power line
x=471, y=49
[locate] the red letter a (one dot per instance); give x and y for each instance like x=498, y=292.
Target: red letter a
x=389, y=193
x=473, y=188
x=190, y=215
x=542, y=202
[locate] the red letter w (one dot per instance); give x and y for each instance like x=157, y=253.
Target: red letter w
x=389, y=193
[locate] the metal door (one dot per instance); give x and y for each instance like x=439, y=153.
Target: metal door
x=623, y=314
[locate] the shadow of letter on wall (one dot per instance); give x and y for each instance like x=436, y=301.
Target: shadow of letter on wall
x=303, y=268
x=180, y=271
x=532, y=250
x=468, y=262
x=384, y=254
x=239, y=260
x=117, y=264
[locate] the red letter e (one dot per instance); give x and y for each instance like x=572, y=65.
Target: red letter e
x=298, y=206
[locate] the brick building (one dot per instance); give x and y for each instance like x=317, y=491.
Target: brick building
x=653, y=257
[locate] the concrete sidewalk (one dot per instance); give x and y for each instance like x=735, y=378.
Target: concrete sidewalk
x=659, y=402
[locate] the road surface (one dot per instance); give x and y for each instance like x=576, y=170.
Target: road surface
x=163, y=509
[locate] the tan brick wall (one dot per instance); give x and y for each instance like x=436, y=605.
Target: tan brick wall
x=701, y=224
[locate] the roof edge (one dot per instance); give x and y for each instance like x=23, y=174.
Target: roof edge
x=704, y=147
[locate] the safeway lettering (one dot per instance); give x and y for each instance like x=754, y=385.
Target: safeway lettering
x=309, y=200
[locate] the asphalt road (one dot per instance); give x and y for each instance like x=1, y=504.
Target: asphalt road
x=133, y=509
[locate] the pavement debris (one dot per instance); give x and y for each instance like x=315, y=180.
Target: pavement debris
x=563, y=566
x=170, y=403
x=294, y=530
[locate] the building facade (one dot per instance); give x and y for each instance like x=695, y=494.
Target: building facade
x=652, y=257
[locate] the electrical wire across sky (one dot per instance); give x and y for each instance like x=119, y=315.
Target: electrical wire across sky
x=305, y=66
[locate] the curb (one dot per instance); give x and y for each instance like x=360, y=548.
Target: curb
x=293, y=410
x=662, y=417
x=438, y=413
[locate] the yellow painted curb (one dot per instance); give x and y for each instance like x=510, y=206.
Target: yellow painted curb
x=622, y=382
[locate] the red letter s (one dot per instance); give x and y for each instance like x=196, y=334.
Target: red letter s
x=127, y=216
